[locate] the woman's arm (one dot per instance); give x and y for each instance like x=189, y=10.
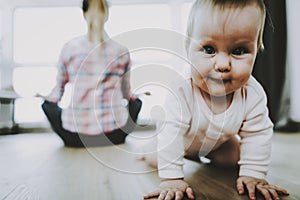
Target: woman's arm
x=62, y=78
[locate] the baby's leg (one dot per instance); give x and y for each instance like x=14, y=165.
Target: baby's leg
x=228, y=154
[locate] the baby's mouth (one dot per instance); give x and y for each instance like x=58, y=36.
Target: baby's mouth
x=220, y=81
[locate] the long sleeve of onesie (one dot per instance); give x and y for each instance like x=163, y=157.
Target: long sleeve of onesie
x=172, y=131
x=256, y=134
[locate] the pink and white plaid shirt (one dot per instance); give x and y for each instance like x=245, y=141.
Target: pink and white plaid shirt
x=99, y=77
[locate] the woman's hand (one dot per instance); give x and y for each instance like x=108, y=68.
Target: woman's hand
x=40, y=95
x=172, y=189
x=251, y=184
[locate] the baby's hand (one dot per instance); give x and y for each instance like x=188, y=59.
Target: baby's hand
x=251, y=184
x=172, y=189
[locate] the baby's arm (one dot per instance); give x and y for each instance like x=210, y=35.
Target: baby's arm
x=170, y=149
x=256, y=140
x=170, y=166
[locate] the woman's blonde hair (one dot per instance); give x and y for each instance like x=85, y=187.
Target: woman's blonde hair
x=96, y=14
x=222, y=4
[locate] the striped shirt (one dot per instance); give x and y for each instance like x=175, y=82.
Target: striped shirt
x=99, y=78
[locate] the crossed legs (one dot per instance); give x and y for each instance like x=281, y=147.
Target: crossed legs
x=53, y=113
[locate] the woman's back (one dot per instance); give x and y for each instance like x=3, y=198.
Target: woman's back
x=96, y=74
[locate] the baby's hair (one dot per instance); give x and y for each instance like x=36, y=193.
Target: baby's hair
x=222, y=4
x=96, y=14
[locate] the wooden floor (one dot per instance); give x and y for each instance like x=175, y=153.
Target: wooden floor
x=36, y=166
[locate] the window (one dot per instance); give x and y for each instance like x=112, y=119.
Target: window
x=38, y=37
x=40, y=32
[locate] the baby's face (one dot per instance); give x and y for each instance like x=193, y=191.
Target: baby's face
x=223, y=48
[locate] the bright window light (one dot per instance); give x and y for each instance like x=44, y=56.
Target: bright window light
x=28, y=110
x=130, y=17
x=40, y=32
x=28, y=81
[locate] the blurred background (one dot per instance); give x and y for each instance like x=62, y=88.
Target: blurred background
x=32, y=33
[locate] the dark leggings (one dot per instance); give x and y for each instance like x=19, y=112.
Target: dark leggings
x=53, y=113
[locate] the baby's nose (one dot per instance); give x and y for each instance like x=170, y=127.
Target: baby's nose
x=222, y=63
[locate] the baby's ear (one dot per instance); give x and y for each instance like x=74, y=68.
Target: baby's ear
x=260, y=49
x=260, y=43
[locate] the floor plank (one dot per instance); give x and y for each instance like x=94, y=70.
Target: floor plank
x=38, y=166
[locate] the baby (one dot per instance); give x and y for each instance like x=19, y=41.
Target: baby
x=220, y=111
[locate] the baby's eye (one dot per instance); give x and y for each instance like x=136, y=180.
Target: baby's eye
x=208, y=50
x=239, y=51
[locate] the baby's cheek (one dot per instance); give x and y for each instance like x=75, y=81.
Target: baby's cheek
x=243, y=77
x=242, y=80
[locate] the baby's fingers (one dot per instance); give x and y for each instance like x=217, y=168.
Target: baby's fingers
x=280, y=190
x=276, y=191
x=164, y=195
x=240, y=186
x=274, y=194
x=265, y=191
x=189, y=192
x=179, y=195
x=271, y=191
x=251, y=190
x=152, y=194
x=249, y=183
